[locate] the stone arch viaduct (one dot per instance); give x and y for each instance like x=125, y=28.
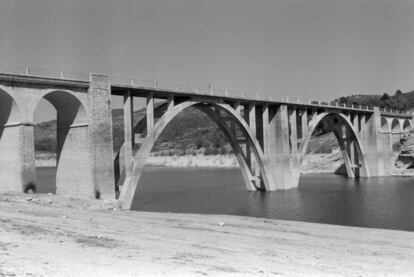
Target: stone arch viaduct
x=269, y=137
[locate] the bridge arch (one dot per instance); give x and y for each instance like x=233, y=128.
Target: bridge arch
x=385, y=126
x=66, y=102
x=73, y=167
x=348, y=140
x=407, y=126
x=396, y=127
x=222, y=114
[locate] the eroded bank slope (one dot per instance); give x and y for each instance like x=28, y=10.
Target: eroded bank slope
x=53, y=236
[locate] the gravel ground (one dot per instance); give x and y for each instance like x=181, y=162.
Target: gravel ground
x=48, y=235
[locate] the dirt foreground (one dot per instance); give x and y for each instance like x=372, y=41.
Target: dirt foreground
x=50, y=235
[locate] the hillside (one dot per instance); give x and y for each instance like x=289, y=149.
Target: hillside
x=398, y=101
x=192, y=132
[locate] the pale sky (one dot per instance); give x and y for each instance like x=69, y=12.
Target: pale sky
x=318, y=49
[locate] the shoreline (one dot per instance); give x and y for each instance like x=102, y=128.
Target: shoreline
x=65, y=237
x=314, y=163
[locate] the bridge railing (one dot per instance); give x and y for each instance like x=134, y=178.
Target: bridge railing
x=181, y=87
x=394, y=111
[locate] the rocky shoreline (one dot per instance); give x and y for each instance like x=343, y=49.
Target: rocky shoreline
x=314, y=163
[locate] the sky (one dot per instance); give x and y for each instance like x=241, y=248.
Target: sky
x=317, y=49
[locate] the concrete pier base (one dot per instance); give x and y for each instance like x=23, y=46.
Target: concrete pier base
x=278, y=161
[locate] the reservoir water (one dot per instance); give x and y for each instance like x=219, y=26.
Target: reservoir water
x=386, y=202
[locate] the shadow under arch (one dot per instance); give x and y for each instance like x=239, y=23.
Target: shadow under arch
x=407, y=126
x=340, y=125
x=9, y=111
x=396, y=127
x=385, y=126
x=213, y=110
x=72, y=150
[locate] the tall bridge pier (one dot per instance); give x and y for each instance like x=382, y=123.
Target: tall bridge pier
x=269, y=137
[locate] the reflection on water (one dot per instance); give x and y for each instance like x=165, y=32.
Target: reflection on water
x=385, y=202
x=46, y=179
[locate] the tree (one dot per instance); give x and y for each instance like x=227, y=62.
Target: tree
x=385, y=97
x=398, y=92
x=343, y=100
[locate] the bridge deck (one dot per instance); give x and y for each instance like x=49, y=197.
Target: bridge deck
x=163, y=90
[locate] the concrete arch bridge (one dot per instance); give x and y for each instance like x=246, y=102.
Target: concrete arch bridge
x=269, y=137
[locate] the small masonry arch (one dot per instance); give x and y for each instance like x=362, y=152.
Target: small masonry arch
x=129, y=189
x=72, y=141
x=341, y=126
x=385, y=126
x=396, y=126
x=407, y=126
x=396, y=132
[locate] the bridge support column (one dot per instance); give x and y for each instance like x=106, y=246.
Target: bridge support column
x=128, y=135
x=387, y=146
x=28, y=155
x=294, y=156
x=277, y=159
x=17, y=161
x=347, y=147
x=74, y=171
x=250, y=117
x=412, y=122
x=304, y=124
x=100, y=130
x=361, y=131
x=150, y=114
x=11, y=160
x=293, y=132
x=374, y=146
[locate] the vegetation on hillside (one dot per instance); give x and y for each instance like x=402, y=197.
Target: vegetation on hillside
x=45, y=136
x=192, y=132
x=398, y=101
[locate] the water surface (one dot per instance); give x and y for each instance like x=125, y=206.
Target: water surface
x=385, y=202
